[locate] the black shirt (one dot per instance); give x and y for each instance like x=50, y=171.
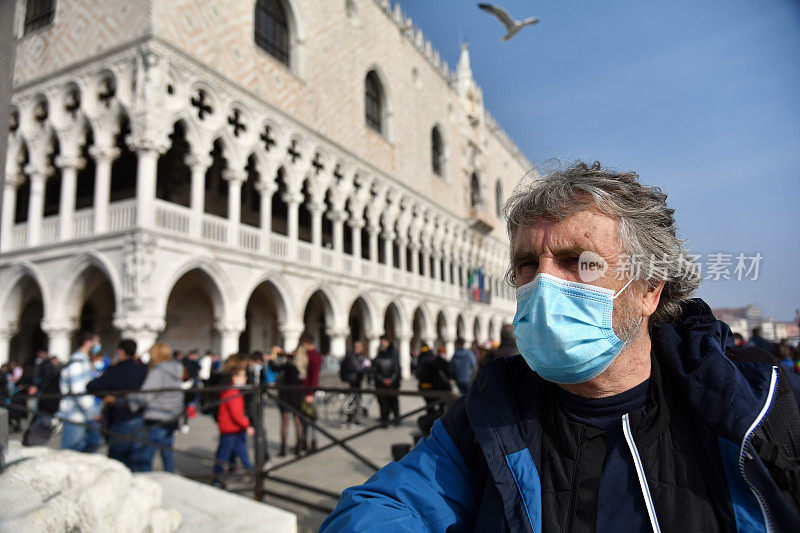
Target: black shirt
x=619, y=485
x=125, y=375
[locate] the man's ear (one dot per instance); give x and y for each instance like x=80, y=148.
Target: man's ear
x=651, y=297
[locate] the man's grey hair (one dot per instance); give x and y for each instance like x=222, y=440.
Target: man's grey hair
x=646, y=224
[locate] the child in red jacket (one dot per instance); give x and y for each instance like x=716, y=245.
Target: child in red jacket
x=234, y=426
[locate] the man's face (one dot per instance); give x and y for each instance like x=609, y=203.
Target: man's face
x=358, y=347
x=384, y=343
x=553, y=247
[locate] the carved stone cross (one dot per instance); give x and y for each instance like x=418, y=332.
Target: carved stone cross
x=201, y=103
x=235, y=120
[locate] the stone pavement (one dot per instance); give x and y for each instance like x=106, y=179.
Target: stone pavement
x=332, y=470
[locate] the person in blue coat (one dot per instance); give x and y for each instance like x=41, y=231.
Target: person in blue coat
x=627, y=409
x=462, y=366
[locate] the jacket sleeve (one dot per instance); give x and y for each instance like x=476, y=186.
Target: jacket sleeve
x=233, y=405
x=430, y=489
x=100, y=383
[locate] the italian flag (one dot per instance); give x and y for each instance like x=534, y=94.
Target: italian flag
x=475, y=284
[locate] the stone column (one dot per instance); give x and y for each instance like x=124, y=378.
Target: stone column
x=144, y=331
x=235, y=178
x=66, y=209
x=468, y=335
x=6, y=332
x=229, y=333
x=355, y=227
x=292, y=205
x=338, y=218
x=59, y=334
x=104, y=156
x=373, y=243
x=316, y=209
x=437, y=265
x=12, y=182
x=146, y=186
x=338, y=338
x=402, y=249
x=388, y=252
x=447, y=271
x=426, y=262
x=483, y=328
x=199, y=165
x=265, y=191
x=403, y=345
x=36, y=206
x=449, y=343
x=373, y=342
x=415, y=258
x=291, y=335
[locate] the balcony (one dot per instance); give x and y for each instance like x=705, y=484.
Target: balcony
x=480, y=220
x=173, y=220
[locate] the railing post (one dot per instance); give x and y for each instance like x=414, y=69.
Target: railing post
x=258, y=424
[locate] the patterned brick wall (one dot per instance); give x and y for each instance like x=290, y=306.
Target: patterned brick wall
x=325, y=91
x=81, y=29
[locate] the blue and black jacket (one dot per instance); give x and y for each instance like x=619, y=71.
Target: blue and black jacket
x=716, y=448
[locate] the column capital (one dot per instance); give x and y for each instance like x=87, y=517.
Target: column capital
x=229, y=327
x=414, y=245
x=232, y=175
x=8, y=330
x=13, y=181
x=316, y=207
x=266, y=187
x=402, y=240
x=132, y=325
x=145, y=144
x=56, y=325
x=292, y=198
x=104, y=153
x=198, y=161
x=356, y=222
x=38, y=173
x=338, y=332
x=389, y=235
x=373, y=229
x=337, y=215
x=66, y=161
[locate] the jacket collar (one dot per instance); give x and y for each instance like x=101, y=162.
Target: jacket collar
x=726, y=397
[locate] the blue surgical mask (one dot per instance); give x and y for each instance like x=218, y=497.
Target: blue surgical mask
x=564, y=328
x=96, y=349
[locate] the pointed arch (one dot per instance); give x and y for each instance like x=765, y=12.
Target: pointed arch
x=217, y=282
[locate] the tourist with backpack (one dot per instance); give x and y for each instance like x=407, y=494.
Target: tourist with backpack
x=161, y=410
x=80, y=414
x=353, y=369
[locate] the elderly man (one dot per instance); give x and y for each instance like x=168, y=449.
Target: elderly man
x=628, y=409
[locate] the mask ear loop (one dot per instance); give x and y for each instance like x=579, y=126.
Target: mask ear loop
x=622, y=289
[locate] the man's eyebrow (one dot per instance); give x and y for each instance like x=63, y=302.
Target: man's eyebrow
x=575, y=249
x=522, y=256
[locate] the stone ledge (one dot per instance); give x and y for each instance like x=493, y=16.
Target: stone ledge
x=208, y=509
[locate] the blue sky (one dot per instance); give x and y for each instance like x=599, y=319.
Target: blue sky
x=702, y=98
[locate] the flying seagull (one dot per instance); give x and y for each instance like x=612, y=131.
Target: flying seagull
x=513, y=26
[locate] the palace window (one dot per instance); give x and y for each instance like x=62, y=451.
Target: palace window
x=499, y=199
x=38, y=14
x=272, y=29
x=437, y=151
x=374, y=101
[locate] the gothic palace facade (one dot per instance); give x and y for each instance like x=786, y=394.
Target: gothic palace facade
x=225, y=174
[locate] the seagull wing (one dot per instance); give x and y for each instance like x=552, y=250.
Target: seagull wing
x=501, y=14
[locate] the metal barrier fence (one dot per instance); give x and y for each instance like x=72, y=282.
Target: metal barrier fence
x=259, y=391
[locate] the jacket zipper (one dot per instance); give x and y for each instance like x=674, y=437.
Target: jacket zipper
x=772, y=386
x=637, y=462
